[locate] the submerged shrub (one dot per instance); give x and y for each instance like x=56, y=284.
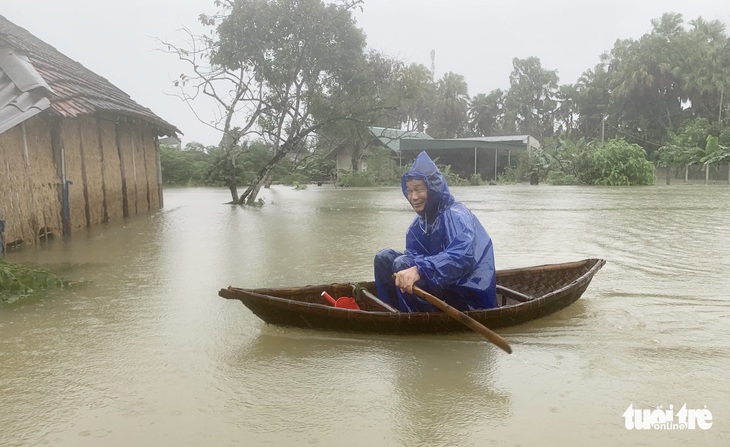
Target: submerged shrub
x=17, y=281
x=619, y=163
x=357, y=179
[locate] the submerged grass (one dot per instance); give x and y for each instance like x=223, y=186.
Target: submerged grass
x=17, y=281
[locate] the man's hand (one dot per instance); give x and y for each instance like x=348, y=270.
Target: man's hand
x=406, y=278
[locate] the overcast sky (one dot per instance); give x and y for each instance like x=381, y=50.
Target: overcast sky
x=474, y=38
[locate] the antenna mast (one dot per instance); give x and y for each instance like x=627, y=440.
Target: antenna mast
x=433, y=64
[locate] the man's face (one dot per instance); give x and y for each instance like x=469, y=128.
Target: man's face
x=417, y=193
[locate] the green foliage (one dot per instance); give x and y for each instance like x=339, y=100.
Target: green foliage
x=417, y=96
x=665, y=89
x=449, y=119
x=183, y=168
x=486, y=113
x=384, y=169
x=616, y=163
x=561, y=161
x=697, y=142
x=314, y=168
x=17, y=281
x=561, y=178
x=294, y=179
x=476, y=179
x=212, y=166
x=452, y=178
x=535, y=161
x=622, y=164
x=715, y=153
x=530, y=101
x=305, y=68
x=357, y=179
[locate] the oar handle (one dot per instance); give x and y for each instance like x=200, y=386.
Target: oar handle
x=464, y=319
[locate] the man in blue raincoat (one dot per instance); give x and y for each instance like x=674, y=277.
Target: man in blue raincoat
x=448, y=251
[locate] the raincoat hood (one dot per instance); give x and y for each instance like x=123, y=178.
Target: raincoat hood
x=439, y=196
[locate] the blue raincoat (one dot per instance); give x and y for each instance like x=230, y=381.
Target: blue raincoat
x=448, y=244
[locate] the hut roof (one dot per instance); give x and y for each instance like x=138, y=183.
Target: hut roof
x=76, y=90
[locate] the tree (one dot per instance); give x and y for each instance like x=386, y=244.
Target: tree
x=280, y=70
x=377, y=88
x=646, y=82
x=566, y=112
x=530, y=101
x=418, y=96
x=619, y=163
x=591, y=101
x=707, y=68
x=486, y=113
x=187, y=167
x=563, y=161
x=449, y=118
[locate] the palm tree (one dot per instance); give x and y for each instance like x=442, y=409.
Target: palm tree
x=486, y=113
x=418, y=96
x=646, y=85
x=567, y=109
x=707, y=70
x=530, y=102
x=592, y=100
x=450, y=110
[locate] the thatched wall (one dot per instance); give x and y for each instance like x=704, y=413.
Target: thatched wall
x=112, y=170
x=151, y=168
x=92, y=177
x=15, y=189
x=72, y=152
x=140, y=172
x=126, y=165
x=140, y=167
x=29, y=200
x=44, y=177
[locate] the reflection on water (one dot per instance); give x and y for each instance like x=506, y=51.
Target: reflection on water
x=143, y=352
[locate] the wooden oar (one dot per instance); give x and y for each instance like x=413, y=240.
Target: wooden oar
x=464, y=319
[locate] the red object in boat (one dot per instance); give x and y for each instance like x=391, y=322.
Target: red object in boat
x=345, y=302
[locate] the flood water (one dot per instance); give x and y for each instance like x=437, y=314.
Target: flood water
x=143, y=352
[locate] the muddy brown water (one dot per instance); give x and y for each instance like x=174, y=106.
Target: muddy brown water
x=143, y=352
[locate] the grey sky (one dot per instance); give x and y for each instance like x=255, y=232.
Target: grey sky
x=475, y=38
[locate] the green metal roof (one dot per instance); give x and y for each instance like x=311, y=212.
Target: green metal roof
x=391, y=138
x=509, y=142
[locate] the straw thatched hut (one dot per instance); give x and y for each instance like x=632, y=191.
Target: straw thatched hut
x=75, y=150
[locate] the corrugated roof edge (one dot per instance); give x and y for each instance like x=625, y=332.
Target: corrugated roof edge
x=23, y=92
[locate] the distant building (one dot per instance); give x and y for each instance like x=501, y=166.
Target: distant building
x=379, y=137
x=171, y=142
x=75, y=151
x=487, y=156
x=392, y=138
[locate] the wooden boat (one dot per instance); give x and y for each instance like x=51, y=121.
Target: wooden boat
x=524, y=294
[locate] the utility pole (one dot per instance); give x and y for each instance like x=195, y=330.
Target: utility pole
x=603, y=129
x=719, y=114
